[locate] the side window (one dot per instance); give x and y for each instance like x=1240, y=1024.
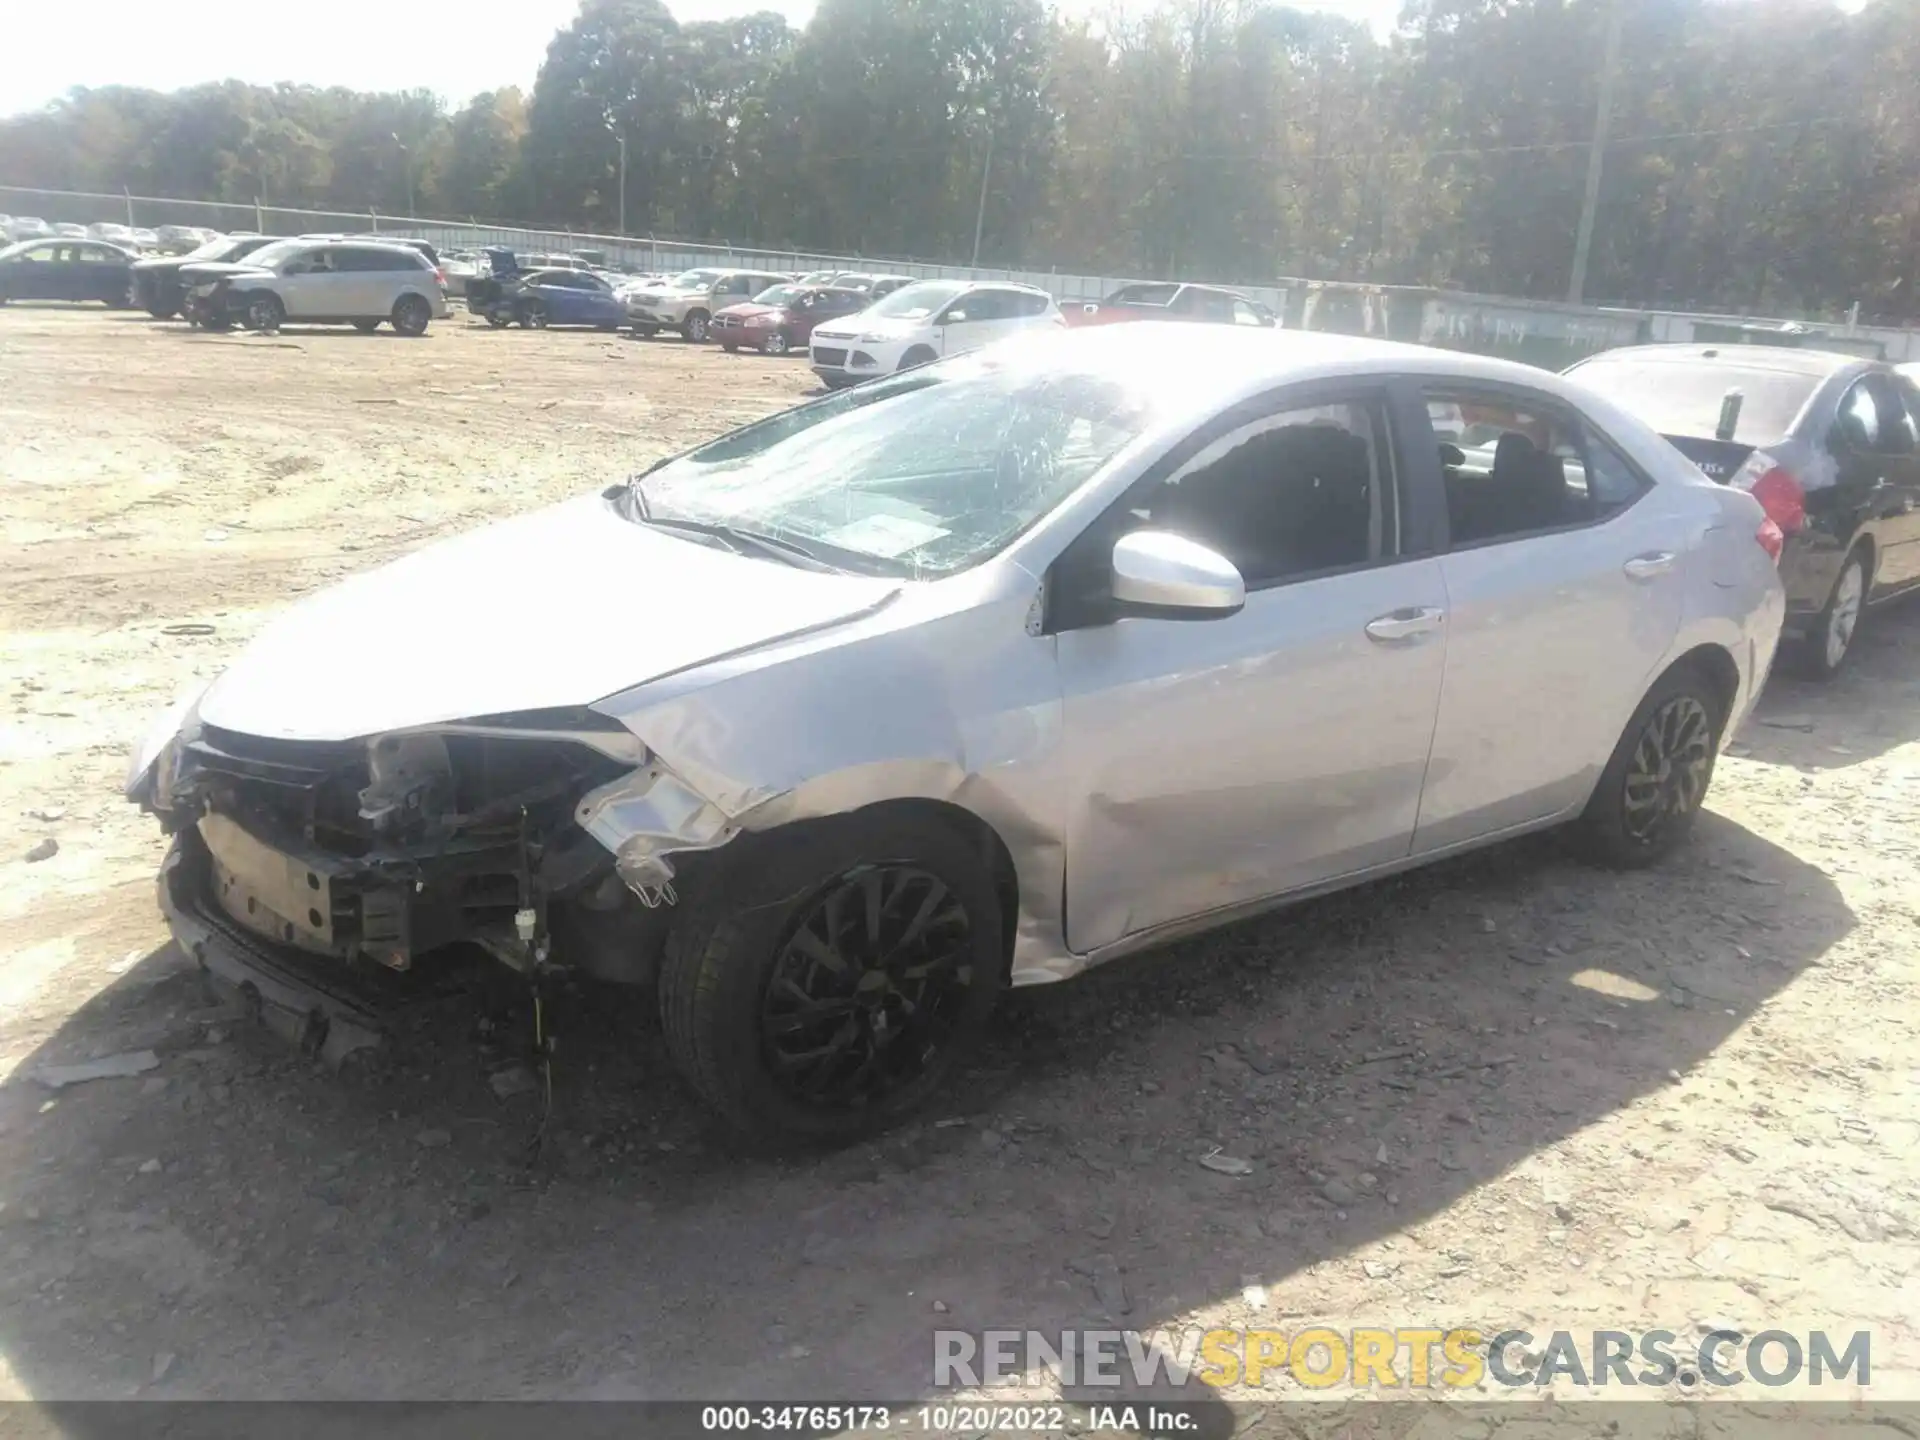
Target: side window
x=1860, y=415
x=1610, y=480
x=1033, y=304
x=1297, y=493
x=1512, y=467
x=1895, y=425
x=1207, y=305
x=96, y=255
x=1908, y=395
x=1245, y=314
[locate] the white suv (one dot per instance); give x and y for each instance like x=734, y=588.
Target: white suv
x=922, y=322
x=687, y=302
x=356, y=282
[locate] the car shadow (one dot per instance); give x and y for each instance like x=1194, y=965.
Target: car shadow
x=234, y=1221
x=1869, y=708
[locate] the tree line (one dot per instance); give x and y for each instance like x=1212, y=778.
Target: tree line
x=1764, y=156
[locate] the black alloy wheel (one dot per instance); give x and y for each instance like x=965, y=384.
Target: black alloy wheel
x=1672, y=763
x=869, y=985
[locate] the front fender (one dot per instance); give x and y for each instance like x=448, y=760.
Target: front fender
x=964, y=709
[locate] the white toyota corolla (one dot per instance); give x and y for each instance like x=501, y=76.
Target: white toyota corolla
x=925, y=321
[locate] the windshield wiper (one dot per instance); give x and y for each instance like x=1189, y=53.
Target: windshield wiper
x=742, y=542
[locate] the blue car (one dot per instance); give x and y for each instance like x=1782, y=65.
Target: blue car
x=558, y=297
x=66, y=269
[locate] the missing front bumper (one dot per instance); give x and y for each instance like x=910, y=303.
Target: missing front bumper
x=325, y=1015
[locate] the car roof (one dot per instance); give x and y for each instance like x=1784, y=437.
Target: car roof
x=1210, y=366
x=1788, y=360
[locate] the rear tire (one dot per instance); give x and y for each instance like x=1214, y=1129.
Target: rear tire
x=1655, y=784
x=1829, y=639
x=910, y=984
x=694, y=327
x=163, y=311
x=411, y=315
x=265, y=313
x=499, y=319
x=729, y=347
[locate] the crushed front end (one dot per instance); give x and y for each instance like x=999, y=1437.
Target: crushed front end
x=311, y=877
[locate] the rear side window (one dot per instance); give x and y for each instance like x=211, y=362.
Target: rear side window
x=1678, y=397
x=1874, y=416
x=1513, y=467
x=1143, y=295
x=362, y=258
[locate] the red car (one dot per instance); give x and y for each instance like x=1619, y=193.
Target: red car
x=1165, y=300
x=780, y=320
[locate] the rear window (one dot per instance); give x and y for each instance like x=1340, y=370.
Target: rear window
x=1685, y=399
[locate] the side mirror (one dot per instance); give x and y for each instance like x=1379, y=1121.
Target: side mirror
x=1170, y=577
x=953, y=317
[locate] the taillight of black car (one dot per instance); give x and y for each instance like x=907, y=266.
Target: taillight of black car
x=1780, y=494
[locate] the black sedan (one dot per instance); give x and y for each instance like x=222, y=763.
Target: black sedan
x=1828, y=443
x=157, y=286
x=66, y=269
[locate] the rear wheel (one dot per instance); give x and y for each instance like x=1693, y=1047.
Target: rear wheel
x=534, y=316
x=265, y=312
x=160, y=310
x=1829, y=639
x=411, y=315
x=1656, y=781
x=499, y=319
x=694, y=327
x=830, y=981
x=729, y=347
x=646, y=332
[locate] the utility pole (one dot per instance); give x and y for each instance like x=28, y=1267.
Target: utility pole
x=1596, y=154
x=980, y=213
x=406, y=161
x=621, y=140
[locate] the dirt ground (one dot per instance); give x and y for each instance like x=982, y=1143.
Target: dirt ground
x=1506, y=1092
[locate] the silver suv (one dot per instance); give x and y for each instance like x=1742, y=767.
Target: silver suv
x=358, y=282
x=686, y=302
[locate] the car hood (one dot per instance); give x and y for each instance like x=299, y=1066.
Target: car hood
x=749, y=309
x=557, y=608
x=162, y=262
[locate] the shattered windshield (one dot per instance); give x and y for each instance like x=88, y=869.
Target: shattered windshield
x=919, y=476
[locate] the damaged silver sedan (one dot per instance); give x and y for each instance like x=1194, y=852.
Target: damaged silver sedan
x=978, y=675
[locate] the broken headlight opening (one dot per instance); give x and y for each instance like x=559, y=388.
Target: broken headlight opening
x=386, y=849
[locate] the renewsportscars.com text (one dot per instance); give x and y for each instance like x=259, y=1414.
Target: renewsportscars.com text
x=1320, y=1358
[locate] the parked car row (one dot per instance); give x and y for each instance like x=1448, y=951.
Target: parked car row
x=168, y=238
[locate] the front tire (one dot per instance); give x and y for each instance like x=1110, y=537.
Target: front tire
x=828, y=981
x=1829, y=639
x=265, y=313
x=1655, y=784
x=411, y=315
x=694, y=328
x=918, y=355
x=775, y=344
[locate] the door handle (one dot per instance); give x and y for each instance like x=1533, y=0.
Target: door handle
x=1405, y=624
x=1650, y=565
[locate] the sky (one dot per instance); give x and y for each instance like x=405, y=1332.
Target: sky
x=361, y=44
